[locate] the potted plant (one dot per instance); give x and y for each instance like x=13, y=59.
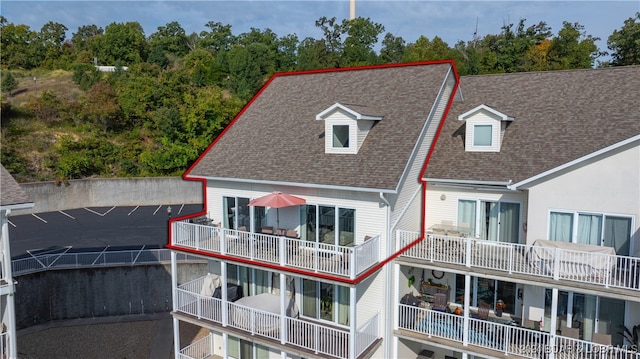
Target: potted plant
x=500, y=307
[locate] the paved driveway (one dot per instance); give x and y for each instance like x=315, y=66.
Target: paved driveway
x=93, y=229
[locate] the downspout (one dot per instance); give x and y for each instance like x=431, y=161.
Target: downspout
x=389, y=280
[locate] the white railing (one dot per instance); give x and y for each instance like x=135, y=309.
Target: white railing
x=200, y=349
x=317, y=337
x=43, y=262
x=367, y=334
x=4, y=345
x=559, y=264
x=506, y=339
x=291, y=252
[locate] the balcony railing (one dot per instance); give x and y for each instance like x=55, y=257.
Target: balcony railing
x=200, y=349
x=556, y=263
x=321, y=339
x=502, y=338
x=316, y=257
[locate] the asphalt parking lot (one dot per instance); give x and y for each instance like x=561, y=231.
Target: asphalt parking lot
x=94, y=229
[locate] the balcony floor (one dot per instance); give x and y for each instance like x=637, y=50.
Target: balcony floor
x=452, y=257
x=271, y=343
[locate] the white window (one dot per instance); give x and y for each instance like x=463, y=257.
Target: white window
x=340, y=136
x=482, y=135
x=591, y=228
x=490, y=220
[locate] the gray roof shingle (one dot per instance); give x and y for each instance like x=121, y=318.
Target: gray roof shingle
x=559, y=116
x=277, y=137
x=10, y=191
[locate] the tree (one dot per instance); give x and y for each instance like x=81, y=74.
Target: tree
x=425, y=50
x=85, y=42
x=169, y=39
x=393, y=49
x=101, y=106
x=362, y=36
x=123, y=42
x=572, y=48
x=625, y=43
x=50, y=40
x=16, y=46
x=332, y=42
x=86, y=75
x=9, y=83
x=219, y=38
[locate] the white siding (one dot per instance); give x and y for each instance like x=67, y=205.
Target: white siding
x=363, y=129
x=609, y=184
x=411, y=182
x=442, y=203
x=340, y=118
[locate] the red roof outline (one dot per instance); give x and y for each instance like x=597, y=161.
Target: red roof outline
x=373, y=269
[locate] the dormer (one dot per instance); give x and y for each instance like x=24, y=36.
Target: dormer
x=346, y=127
x=484, y=129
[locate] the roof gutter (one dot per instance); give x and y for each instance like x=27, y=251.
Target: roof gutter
x=295, y=184
x=495, y=185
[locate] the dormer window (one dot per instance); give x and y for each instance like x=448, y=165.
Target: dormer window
x=484, y=129
x=346, y=127
x=340, y=136
x=482, y=135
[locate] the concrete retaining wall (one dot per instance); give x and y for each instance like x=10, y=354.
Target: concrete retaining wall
x=98, y=292
x=105, y=192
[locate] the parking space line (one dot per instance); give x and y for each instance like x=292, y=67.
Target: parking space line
x=98, y=213
x=67, y=214
x=181, y=207
x=40, y=218
x=133, y=210
x=11, y=223
x=157, y=209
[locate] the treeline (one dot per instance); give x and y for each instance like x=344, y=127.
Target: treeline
x=180, y=90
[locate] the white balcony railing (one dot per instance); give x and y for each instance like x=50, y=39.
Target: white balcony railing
x=200, y=349
x=317, y=257
x=558, y=264
x=321, y=339
x=506, y=339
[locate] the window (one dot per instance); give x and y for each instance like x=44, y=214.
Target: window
x=325, y=301
x=482, y=135
x=328, y=224
x=591, y=228
x=237, y=213
x=340, y=136
x=488, y=291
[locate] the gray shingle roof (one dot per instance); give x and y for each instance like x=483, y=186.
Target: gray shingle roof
x=10, y=191
x=559, y=116
x=277, y=137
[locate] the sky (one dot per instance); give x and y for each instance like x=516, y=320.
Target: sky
x=450, y=20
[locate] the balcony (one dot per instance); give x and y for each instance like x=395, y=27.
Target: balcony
x=342, y=261
x=305, y=336
x=550, y=265
x=495, y=339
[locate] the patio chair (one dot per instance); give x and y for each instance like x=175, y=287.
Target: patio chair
x=599, y=338
x=483, y=311
x=440, y=302
x=573, y=333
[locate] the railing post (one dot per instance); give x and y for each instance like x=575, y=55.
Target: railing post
x=468, y=253
x=282, y=249
x=353, y=260
x=607, y=280
x=223, y=241
x=511, y=250
x=556, y=264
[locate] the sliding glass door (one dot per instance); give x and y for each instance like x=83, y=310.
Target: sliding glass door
x=325, y=301
x=490, y=220
x=591, y=228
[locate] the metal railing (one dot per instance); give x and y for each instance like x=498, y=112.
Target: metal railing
x=556, y=263
x=319, y=338
x=200, y=349
x=43, y=262
x=503, y=338
x=346, y=261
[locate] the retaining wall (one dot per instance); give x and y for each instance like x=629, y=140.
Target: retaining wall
x=98, y=292
x=106, y=192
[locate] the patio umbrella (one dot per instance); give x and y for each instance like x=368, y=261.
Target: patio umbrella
x=277, y=200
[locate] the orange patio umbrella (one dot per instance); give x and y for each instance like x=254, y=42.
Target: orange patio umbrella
x=277, y=200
